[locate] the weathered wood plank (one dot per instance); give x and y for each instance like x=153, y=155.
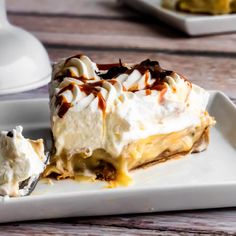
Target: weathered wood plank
x=210, y=73
x=60, y=228
x=106, y=33
x=93, y=8
x=61, y=24
x=207, y=222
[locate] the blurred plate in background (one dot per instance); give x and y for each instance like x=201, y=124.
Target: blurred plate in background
x=192, y=24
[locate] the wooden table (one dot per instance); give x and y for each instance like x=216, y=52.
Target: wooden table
x=106, y=31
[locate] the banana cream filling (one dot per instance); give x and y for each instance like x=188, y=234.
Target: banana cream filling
x=157, y=148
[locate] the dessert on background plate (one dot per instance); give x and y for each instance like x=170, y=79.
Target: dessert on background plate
x=109, y=119
x=21, y=163
x=213, y=7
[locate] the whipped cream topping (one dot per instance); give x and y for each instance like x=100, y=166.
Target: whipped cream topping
x=110, y=106
x=20, y=159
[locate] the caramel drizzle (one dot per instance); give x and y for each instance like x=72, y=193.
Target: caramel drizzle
x=87, y=89
x=146, y=78
x=69, y=73
x=148, y=92
x=101, y=102
x=91, y=88
x=114, y=70
x=64, y=105
x=68, y=87
x=162, y=94
x=63, y=109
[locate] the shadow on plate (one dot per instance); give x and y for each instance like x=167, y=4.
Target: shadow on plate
x=44, y=133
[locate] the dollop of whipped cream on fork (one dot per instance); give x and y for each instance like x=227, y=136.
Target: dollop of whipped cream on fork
x=20, y=160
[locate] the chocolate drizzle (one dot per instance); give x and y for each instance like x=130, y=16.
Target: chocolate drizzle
x=155, y=70
x=113, y=70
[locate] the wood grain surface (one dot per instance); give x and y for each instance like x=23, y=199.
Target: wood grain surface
x=105, y=30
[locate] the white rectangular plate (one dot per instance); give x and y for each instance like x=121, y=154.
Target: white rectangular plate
x=203, y=180
x=192, y=24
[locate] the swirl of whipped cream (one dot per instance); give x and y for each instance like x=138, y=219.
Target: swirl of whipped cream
x=144, y=79
x=174, y=87
x=76, y=66
x=66, y=73
x=70, y=70
x=101, y=94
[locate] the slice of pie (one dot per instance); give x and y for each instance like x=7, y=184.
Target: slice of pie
x=109, y=119
x=202, y=6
